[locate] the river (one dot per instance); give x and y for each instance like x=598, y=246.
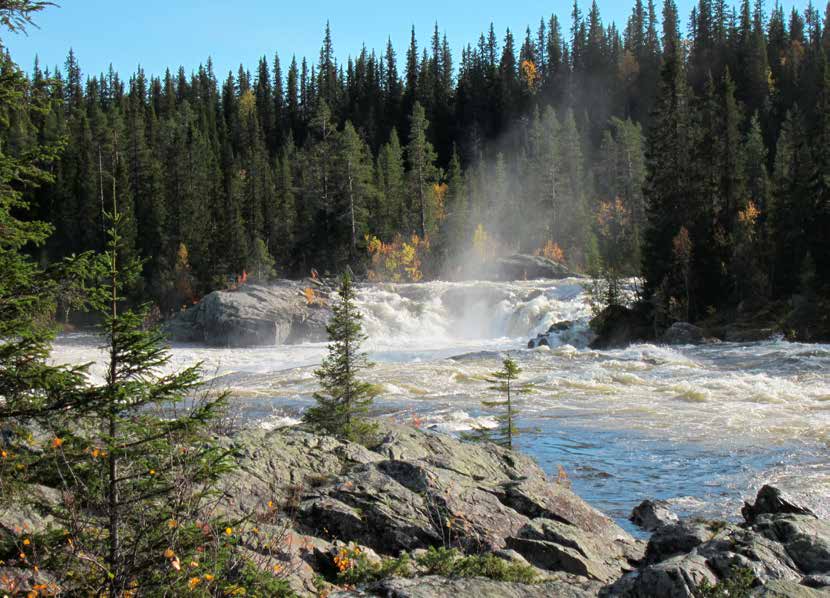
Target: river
x=700, y=426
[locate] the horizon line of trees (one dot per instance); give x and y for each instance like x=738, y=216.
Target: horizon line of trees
x=697, y=159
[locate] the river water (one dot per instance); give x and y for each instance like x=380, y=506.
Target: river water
x=700, y=426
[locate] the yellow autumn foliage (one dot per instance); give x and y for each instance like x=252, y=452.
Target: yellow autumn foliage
x=530, y=74
x=484, y=246
x=398, y=261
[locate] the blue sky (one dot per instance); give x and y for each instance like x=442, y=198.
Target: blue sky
x=162, y=33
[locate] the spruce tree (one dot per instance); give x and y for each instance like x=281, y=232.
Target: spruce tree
x=505, y=381
x=421, y=157
x=344, y=401
x=138, y=457
x=34, y=392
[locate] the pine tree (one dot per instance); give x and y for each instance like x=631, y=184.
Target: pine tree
x=344, y=400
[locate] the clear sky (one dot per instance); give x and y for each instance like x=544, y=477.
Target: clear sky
x=168, y=33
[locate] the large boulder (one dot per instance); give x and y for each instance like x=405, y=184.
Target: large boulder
x=254, y=315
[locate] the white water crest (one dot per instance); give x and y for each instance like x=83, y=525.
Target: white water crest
x=701, y=426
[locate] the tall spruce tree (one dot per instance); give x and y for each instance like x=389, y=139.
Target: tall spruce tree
x=421, y=157
x=344, y=400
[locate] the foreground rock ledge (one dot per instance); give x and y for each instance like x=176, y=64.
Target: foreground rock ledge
x=414, y=489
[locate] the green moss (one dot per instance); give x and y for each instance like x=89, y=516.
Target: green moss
x=450, y=563
x=737, y=585
x=359, y=569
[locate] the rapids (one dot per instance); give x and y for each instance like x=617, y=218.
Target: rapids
x=700, y=426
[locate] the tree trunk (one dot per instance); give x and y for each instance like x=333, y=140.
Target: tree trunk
x=353, y=248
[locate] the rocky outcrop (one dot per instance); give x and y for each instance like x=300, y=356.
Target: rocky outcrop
x=441, y=587
x=782, y=549
x=618, y=326
x=772, y=501
x=527, y=267
x=683, y=333
x=253, y=315
x=413, y=490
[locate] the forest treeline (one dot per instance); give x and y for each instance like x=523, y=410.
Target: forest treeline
x=700, y=159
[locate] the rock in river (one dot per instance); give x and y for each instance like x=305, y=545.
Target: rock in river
x=254, y=315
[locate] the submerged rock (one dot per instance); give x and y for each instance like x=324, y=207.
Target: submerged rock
x=566, y=331
x=254, y=315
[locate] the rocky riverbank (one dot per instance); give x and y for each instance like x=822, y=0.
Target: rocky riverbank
x=798, y=319
x=415, y=491
x=424, y=515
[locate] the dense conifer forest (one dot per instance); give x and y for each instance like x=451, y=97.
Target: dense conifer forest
x=698, y=158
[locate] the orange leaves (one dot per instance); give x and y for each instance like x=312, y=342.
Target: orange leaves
x=398, y=261
x=552, y=251
x=530, y=74
x=310, y=296
x=749, y=215
x=347, y=558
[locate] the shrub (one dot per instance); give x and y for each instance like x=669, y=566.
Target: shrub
x=451, y=563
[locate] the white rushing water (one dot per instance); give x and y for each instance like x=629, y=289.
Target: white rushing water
x=701, y=426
